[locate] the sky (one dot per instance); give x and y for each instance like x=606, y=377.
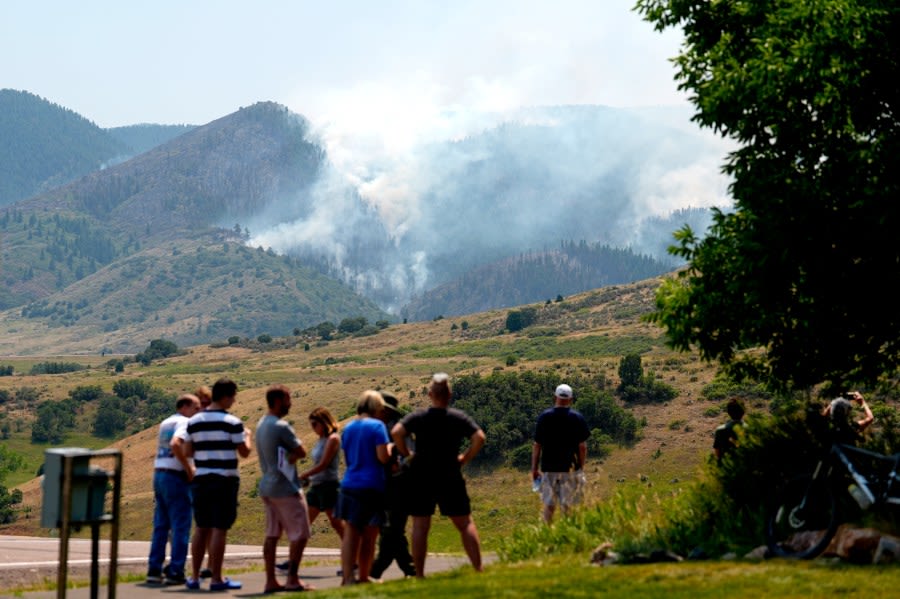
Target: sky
x=354, y=61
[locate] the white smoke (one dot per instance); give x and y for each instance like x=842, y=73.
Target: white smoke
x=412, y=196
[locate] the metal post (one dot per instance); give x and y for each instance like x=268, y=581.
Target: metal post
x=95, y=558
x=64, y=527
x=114, y=524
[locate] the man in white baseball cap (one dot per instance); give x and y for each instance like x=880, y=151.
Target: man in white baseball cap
x=559, y=451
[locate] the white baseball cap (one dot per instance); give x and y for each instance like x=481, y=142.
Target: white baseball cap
x=564, y=392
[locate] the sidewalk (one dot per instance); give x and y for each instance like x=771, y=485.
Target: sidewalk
x=319, y=570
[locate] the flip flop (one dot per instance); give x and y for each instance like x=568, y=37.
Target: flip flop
x=274, y=590
x=302, y=587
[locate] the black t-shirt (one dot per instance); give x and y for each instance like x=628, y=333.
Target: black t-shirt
x=560, y=430
x=439, y=434
x=725, y=437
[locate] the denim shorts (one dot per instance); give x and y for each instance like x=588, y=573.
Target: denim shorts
x=361, y=507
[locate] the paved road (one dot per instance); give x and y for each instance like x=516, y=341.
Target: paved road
x=32, y=560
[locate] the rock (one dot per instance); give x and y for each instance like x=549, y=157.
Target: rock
x=761, y=552
x=857, y=545
x=888, y=551
x=662, y=555
x=698, y=553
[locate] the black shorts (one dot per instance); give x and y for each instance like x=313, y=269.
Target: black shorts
x=449, y=494
x=215, y=500
x=323, y=496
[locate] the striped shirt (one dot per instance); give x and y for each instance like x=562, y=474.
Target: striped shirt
x=215, y=435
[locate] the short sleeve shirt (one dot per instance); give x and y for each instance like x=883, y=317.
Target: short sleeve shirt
x=215, y=435
x=439, y=434
x=274, y=436
x=164, y=456
x=359, y=440
x=560, y=431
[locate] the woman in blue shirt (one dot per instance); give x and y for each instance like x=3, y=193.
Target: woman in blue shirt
x=361, y=500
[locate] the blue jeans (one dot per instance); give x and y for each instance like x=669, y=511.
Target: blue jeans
x=173, y=513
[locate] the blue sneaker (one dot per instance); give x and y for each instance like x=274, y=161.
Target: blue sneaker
x=225, y=585
x=192, y=584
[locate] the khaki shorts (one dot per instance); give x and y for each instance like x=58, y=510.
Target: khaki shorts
x=289, y=515
x=564, y=489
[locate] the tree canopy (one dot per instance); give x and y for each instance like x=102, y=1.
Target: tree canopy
x=809, y=90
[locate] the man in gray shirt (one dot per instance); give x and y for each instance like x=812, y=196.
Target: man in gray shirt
x=279, y=449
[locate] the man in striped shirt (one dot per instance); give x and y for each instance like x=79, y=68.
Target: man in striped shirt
x=215, y=438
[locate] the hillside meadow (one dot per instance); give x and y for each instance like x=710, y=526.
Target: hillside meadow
x=586, y=333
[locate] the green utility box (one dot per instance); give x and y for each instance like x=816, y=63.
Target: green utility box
x=88, y=485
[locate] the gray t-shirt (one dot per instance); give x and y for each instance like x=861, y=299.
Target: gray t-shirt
x=272, y=435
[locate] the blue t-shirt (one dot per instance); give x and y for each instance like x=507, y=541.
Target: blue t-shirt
x=359, y=440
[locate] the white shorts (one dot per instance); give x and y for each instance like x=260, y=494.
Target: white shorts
x=564, y=489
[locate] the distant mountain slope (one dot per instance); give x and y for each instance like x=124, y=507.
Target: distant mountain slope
x=189, y=291
x=534, y=277
x=146, y=136
x=230, y=168
x=43, y=145
x=234, y=165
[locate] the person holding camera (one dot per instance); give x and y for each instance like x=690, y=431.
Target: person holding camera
x=840, y=411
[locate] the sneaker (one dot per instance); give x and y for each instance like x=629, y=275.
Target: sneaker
x=283, y=566
x=225, y=585
x=175, y=579
x=192, y=584
x=205, y=573
x=154, y=578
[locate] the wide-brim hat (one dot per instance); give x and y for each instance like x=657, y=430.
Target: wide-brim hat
x=391, y=403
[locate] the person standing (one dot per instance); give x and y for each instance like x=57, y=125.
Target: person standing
x=559, y=452
x=392, y=543
x=216, y=439
x=435, y=470
x=323, y=476
x=844, y=428
x=361, y=498
x=279, y=449
x=725, y=435
x=172, y=495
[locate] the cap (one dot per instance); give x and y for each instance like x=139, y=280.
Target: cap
x=564, y=392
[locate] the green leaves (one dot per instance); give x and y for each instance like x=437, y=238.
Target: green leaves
x=787, y=285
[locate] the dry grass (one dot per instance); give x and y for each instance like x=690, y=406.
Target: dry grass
x=334, y=375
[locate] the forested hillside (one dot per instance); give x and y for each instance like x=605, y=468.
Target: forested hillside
x=535, y=277
x=231, y=168
x=43, y=145
x=146, y=136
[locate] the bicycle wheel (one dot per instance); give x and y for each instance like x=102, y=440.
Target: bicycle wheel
x=802, y=520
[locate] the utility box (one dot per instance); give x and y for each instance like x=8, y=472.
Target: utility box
x=88, y=487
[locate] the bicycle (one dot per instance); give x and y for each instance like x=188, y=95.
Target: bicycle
x=806, y=514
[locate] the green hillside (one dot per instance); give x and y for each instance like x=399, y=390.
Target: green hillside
x=189, y=291
x=43, y=145
x=146, y=136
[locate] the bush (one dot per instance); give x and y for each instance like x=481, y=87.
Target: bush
x=516, y=320
x=507, y=404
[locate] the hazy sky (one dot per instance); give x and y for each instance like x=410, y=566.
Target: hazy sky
x=192, y=61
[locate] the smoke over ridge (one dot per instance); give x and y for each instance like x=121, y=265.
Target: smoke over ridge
x=403, y=205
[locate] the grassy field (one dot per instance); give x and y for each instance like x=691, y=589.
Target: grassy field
x=574, y=576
